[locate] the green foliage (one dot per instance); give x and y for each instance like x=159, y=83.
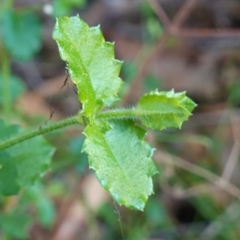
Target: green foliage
x=22, y=164
x=21, y=34
x=114, y=142
x=234, y=93
x=90, y=61
x=17, y=88
x=8, y=171
x=44, y=207
x=64, y=7
x=74, y=145
x=153, y=27
x=17, y=221
x=125, y=167
x=165, y=109
x=116, y=149
x=156, y=213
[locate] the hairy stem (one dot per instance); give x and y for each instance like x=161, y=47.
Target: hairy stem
x=78, y=119
x=42, y=130
x=122, y=113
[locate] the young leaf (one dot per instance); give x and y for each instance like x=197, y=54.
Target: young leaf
x=122, y=161
x=21, y=33
x=90, y=62
x=165, y=109
x=29, y=160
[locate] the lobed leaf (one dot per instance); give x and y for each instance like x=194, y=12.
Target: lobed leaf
x=160, y=110
x=122, y=161
x=90, y=61
x=24, y=163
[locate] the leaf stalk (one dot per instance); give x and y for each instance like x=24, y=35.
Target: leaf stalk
x=41, y=130
x=125, y=113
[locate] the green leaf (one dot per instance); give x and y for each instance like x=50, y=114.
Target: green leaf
x=165, y=109
x=8, y=175
x=30, y=159
x=122, y=161
x=21, y=34
x=15, y=224
x=16, y=86
x=90, y=61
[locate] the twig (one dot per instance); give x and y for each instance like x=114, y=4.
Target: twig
x=235, y=121
x=183, y=13
x=204, y=33
x=233, y=157
x=132, y=94
x=200, y=189
x=199, y=119
x=190, y=167
x=157, y=8
x=158, y=49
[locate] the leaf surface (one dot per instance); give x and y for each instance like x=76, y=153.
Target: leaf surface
x=8, y=175
x=29, y=160
x=160, y=110
x=90, y=61
x=122, y=161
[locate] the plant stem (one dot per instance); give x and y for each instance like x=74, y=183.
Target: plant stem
x=119, y=113
x=42, y=130
x=78, y=119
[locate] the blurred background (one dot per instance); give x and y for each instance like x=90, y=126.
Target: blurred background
x=186, y=45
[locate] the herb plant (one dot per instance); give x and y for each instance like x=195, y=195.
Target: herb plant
x=114, y=141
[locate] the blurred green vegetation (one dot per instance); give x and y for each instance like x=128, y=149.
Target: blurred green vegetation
x=20, y=39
